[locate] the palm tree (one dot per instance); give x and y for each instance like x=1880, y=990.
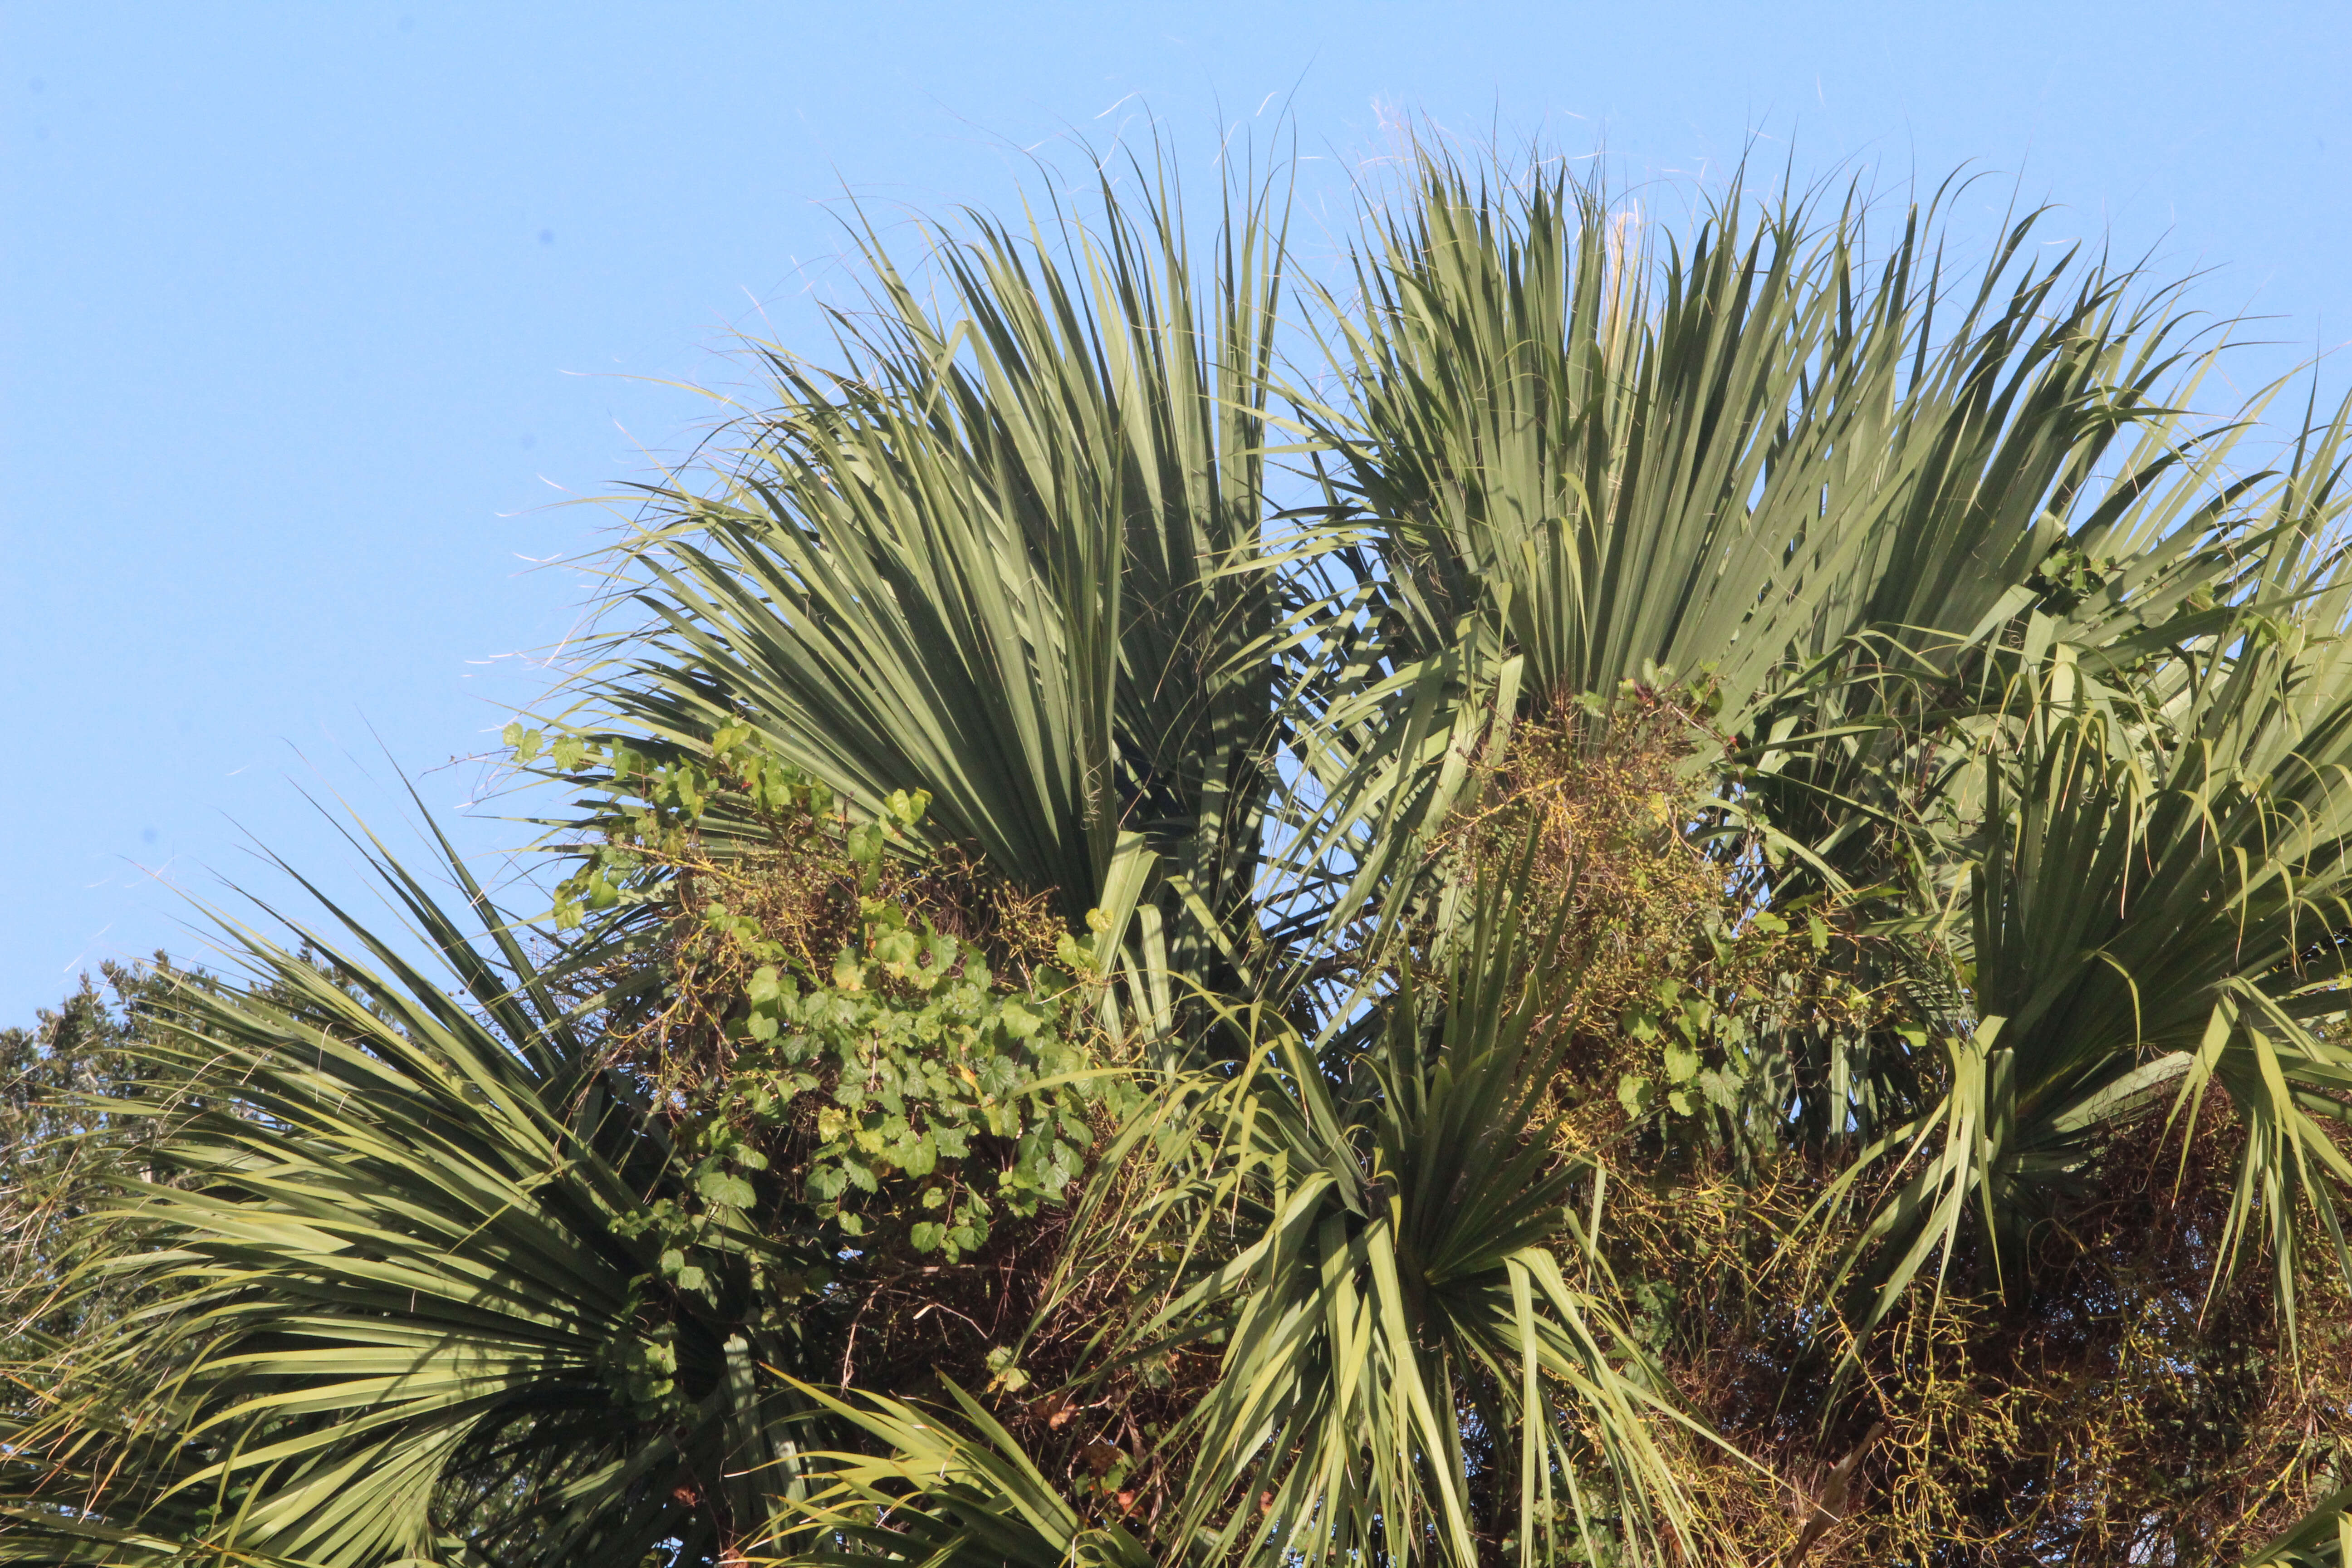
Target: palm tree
x=1548, y=899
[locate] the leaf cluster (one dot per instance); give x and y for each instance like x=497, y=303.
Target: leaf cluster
x=1576, y=895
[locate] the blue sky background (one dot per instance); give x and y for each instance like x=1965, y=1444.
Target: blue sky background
x=309, y=314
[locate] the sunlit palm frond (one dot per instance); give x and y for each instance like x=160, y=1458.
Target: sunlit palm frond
x=1011, y=557
x=2158, y=906
x=1411, y=1365
x=395, y=1307
x=1800, y=477
x=1625, y=462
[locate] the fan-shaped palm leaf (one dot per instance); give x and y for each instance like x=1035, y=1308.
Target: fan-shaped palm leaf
x=396, y=1307
x=1011, y=558
x=2159, y=903
x=1402, y=1293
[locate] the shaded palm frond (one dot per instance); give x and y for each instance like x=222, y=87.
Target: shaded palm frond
x=952, y=1489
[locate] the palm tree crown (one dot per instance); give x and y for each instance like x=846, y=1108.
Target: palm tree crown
x=1574, y=896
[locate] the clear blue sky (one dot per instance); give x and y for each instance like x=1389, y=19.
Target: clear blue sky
x=307, y=311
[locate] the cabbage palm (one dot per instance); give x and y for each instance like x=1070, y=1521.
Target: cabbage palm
x=1011, y=557
x=1985, y=661
x=389, y=1311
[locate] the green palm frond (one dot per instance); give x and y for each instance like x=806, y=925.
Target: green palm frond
x=1621, y=464
x=394, y=1304
x=1011, y=557
x=1411, y=1365
x=2158, y=906
x=952, y=1489
x=1807, y=480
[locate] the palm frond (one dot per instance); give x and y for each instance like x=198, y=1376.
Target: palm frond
x=948, y=1488
x=1409, y=1366
x=394, y=1297
x=1011, y=557
x=2157, y=908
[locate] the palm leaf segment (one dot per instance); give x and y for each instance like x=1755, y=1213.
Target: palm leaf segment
x=396, y=1312
x=1013, y=557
